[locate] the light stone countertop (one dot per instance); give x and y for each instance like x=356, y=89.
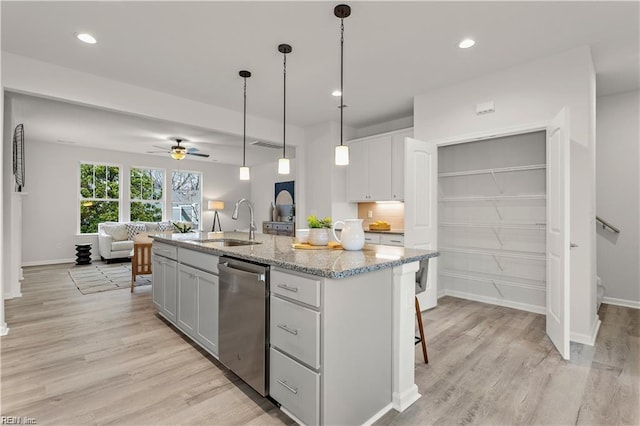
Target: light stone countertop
x=277, y=251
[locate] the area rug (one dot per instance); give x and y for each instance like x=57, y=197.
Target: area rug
x=100, y=276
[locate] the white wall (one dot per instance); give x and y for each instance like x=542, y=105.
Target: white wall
x=387, y=126
x=50, y=211
x=325, y=182
x=524, y=95
x=618, y=186
x=3, y=325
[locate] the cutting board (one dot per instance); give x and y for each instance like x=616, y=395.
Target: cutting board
x=306, y=246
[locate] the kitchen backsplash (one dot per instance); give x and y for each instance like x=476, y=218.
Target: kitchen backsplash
x=390, y=212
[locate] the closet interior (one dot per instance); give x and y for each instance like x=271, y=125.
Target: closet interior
x=492, y=220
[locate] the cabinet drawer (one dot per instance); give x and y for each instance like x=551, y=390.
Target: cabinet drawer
x=296, y=287
x=197, y=259
x=295, y=387
x=392, y=240
x=165, y=250
x=370, y=238
x=295, y=330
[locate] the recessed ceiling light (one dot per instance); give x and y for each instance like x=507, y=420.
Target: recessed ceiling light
x=336, y=93
x=466, y=43
x=87, y=38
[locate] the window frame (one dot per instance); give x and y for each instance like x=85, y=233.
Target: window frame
x=162, y=201
x=170, y=200
x=80, y=198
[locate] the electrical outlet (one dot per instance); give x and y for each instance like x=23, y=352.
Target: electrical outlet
x=370, y=214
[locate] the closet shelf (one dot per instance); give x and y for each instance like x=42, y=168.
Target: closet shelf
x=497, y=170
x=527, y=283
x=495, y=198
x=531, y=255
x=513, y=225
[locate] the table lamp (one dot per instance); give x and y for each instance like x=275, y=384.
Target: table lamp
x=216, y=205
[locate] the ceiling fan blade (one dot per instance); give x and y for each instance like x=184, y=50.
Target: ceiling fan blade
x=198, y=154
x=160, y=147
x=158, y=152
x=192, y=150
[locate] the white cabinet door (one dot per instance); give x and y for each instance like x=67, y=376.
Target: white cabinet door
x=558, y=198
x=397, y=169
x=187, y=299
x=379, y=168
x=207, y=311
x=358, y=172
x=158, y=281
x=170, y=307
x=421, y=208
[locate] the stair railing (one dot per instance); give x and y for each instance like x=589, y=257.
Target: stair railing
x=606, y=225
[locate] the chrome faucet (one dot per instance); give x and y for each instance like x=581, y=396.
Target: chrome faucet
x=252, y=224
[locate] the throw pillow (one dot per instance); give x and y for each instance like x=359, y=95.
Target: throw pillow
x=165, y=226
x=151, y=226
x=117, y=231
x=134, y=229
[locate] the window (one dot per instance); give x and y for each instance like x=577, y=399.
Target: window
x=186, y=197
x=99, y=195
x=146, y=194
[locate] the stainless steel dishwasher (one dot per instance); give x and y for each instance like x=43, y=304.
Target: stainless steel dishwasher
x=243, y=321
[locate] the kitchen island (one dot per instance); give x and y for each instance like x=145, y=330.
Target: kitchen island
x=341, y=323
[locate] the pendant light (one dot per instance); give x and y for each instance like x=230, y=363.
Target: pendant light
x=244, y=170
x=342, y=151
x=283, y=163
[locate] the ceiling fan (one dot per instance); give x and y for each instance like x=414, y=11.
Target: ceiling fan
x=178, y=152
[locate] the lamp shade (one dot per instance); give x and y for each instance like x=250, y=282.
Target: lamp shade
x=342, y=155
x=283, y=166
x=215, y=205
x=245, y=174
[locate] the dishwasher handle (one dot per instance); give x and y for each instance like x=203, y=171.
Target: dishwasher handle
x=226, y=267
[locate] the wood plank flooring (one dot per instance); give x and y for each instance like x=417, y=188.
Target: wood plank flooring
x=107, y=358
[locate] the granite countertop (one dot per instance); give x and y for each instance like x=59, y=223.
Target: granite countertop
x=276, y=250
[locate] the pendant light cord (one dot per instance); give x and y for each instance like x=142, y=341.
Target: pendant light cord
x=284, y=112
x=244, y=125
x=341, y=76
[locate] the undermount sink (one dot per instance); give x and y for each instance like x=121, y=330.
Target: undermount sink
x=226, y=242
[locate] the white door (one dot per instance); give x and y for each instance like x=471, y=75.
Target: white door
x=421, y=208
x=558, y=227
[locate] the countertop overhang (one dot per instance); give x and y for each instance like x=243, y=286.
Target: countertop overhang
x=277, y=250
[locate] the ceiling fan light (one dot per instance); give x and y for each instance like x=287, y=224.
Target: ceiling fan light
x=342, y=155
x=178, y=153
x=283, y=166
x=245, y=174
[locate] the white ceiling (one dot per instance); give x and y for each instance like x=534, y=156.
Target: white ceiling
x=393, y=50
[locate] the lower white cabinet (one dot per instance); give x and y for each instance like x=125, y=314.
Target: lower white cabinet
x=295, y=387
x=392, y=240
x=295, y=330
x=165, y=281
x=187, y=295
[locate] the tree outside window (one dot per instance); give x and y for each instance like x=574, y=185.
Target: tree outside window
x=186, y=197
x=147, y=195
x=99, y=195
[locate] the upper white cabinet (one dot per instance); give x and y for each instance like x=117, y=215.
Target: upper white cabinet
x=376, y=169
x=370, y=170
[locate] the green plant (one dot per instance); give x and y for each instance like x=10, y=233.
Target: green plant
x=314, y=222
x=182, y=227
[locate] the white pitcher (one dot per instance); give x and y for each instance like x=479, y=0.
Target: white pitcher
x=352, y=234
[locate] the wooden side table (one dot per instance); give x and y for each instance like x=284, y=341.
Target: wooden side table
x=141, y=258
x=83, y=254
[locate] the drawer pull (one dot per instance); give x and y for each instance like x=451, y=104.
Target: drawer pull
x=286, y=287
x=284, y=383
x=395, y=241
x=287, y=329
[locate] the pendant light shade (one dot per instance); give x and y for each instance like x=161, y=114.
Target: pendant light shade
x=283, y=163
x=245, y=174
x=342, y=151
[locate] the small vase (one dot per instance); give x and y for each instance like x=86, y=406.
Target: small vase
x=318, y=236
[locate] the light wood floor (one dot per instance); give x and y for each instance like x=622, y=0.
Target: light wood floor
x=108, y=359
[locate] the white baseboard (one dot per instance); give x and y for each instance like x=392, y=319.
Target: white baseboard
x=621, y=302
x=49, y=262
x=4, y=330
x=8, y=296
x=495, y=301
x=588, y=339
